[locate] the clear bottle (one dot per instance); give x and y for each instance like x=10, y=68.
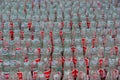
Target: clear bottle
x=81, y=68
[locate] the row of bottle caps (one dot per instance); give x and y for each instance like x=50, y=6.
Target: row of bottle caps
x=28, y=23
x=87, y=70
x=12, y=14
x=58, y=61
x=56, y=75
x=67, y=17
x=60, y=38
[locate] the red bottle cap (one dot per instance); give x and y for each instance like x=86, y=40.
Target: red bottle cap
x=37, y=60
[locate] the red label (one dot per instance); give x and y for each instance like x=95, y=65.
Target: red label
x=93, y=42
x=26, y=60
x=84, y=49
x=63, y=59
x=87, y=62
x=29, y=25
x=116, y=49
x=74, y=60
x=73, y=49
x=88, y=24
x=47, y=74
x=83, y=41
x=87, y=70
x=102, y=72
x=60, y=33
x=11, y=34
x=1, y=61
x=51, y=33
x=35, y=73
x=7, y=76
x=20, y=75
x=100, y=62
x=32, y=37
x=75, y=73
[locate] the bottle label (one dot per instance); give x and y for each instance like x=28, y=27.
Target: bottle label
x=47, y=74
x=20, y=75
x=35, y=73
x=75, y=73
x=6, y=75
